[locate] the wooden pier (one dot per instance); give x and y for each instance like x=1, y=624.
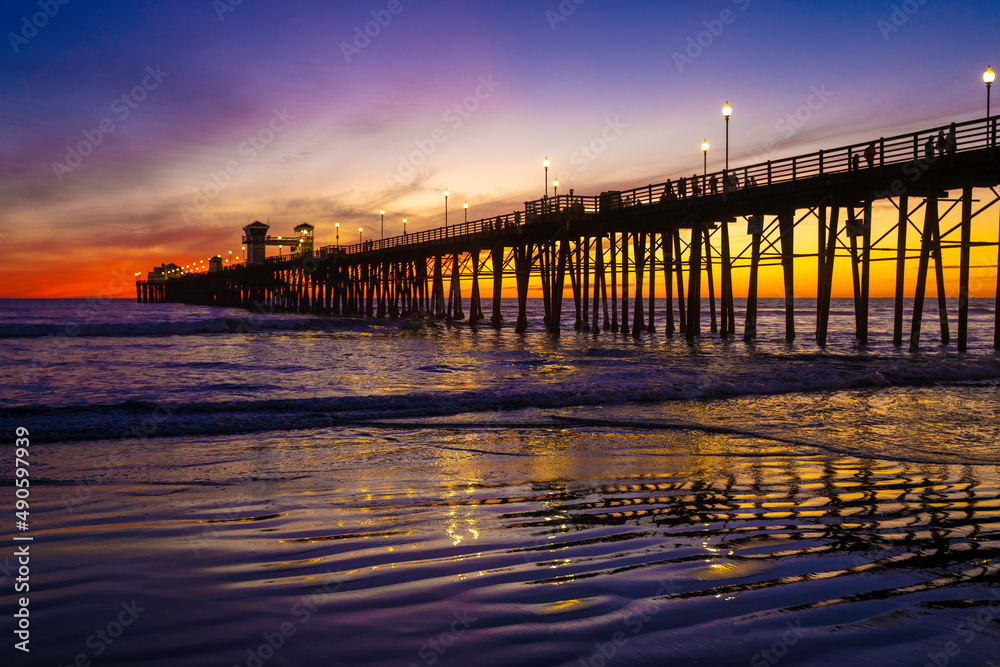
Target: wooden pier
x=677, y=232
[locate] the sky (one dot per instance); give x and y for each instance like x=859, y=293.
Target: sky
x=138, y=133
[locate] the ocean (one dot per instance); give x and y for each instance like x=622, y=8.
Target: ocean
x=213, y=487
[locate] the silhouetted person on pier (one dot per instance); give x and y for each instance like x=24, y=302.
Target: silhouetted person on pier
x=856, y=162
x=870, y=153
x=952, y=140
x=734, y=181
x=668, y=191
x=942, y=143
x=695, y=188
x=681, y=188
x=713, y=185
x=929, y=149
x=517, y=218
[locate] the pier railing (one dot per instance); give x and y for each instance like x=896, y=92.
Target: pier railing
x=849, y=159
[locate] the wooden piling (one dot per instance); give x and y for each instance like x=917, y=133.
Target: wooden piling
x=786, y=230
x=651, y=326
x=901, y=228
x=963, y=278
x=930, y=221
x=639, y=253
x=823, y=316
x=693, y=328
x=624, y=327
x=679, y=270
x=496, y=262
x=710, y=274
x=750, y=327
x=614, y=282
x=939, y=275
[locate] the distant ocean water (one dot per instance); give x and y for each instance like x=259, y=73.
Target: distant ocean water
x=339, y=491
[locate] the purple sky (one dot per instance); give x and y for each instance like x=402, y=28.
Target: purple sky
x=316, y=125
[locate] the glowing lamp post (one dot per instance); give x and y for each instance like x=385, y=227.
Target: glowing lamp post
x=988, y=77
x=545, y=163
x=555, y=187
x=337, y=225
x=361, y=235
x=704, y=150
x=727, y=111
x=446, y=193
x=381, y=212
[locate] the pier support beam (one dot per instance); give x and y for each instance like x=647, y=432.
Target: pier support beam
x=963, y=278
x=902, y=222
x=625, y=267
x=693, y=328
x=496, y=261
x=679, y=264
x=786, y=229
x=750, y=327
x=614, y=282
x=522, y=271
x=926, y=241
x=475, y=304
x=823, y=308
x=639, y=252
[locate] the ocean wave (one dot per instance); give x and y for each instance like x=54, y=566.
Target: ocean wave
x=760, y=376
